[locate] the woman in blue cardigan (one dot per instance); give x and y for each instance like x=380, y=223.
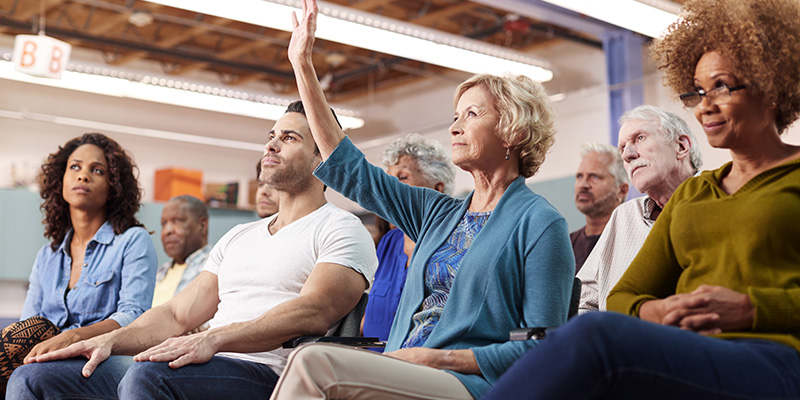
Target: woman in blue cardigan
x=415, y=161
x=498, y=260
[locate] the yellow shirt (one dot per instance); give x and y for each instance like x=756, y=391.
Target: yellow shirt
x=165, y=289
x=746, y=241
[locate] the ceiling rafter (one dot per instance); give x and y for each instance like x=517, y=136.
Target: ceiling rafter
x=182, y=42
x=33, y=10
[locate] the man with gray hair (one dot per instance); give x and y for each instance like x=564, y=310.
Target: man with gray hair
x=415, y=161
x=184, y=235
x=601, y=185
x=659, y=153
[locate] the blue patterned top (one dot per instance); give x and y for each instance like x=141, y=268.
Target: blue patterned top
x=439, y=275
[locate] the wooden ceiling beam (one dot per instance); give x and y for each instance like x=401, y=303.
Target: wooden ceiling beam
x=173, y=40
x=25, y=14
x=442, y=14
x=370, y=5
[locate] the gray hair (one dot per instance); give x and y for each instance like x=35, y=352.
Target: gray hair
x=670, y=125
x=194, y=206
x=431, y=158
x=616, y=168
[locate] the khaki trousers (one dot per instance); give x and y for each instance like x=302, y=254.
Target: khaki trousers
x=329, y=371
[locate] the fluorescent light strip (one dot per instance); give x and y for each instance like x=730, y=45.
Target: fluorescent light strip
x=377, y=33
x=633, y=15
x=132, y=130
x=167, y=91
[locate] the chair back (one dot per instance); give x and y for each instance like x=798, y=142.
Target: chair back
x=575, y=299
x=350, y=325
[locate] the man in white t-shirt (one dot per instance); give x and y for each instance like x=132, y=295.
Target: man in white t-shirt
x=295, y=273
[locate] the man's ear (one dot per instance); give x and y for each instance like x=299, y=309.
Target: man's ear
x=684, y=145
x=623, y=192
x=204, y=226
x=439, y=187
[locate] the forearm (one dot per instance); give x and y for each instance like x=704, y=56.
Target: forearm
x=153, y=327
x=462, y=361
x=97, y=329
x=300, y=317
x=648, y=311
x=324, y=128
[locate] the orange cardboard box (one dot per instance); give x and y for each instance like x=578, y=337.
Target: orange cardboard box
x=172, y=182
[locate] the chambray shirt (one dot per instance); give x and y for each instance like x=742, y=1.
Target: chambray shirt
x=116, y=282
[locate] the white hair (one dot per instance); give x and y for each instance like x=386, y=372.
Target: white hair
x=431, y=159
x=616, y=168
x=670, y=125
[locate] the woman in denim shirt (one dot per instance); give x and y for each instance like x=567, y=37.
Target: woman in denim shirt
x=98, y=272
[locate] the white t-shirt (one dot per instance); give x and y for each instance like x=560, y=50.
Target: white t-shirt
x=257, y=270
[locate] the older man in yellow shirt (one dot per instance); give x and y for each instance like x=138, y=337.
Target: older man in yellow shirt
x=184, y=235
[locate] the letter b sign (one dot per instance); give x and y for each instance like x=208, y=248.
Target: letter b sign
x=40, y=55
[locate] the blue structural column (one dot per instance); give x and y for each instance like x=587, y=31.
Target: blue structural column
x=623, y=50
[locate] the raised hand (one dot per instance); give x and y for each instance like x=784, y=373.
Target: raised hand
x=302, y=41
x=182, y=350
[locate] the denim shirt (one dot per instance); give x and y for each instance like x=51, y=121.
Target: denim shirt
x=116, y=281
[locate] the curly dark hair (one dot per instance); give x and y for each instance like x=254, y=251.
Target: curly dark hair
x=124, y=194
x=758, y=37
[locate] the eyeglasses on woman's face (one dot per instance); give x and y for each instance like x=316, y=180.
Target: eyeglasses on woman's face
x=718, y=95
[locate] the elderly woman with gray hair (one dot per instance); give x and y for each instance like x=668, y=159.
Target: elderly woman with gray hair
x=415, y=161
x=498, y=260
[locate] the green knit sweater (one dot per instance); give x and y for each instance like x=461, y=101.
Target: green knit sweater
x=748, y=242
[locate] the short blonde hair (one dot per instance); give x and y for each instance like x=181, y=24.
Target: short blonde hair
x=526, y=116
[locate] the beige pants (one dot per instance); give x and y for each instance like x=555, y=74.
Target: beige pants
x=328, y=371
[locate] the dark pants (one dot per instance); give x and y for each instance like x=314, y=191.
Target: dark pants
x=612, y=356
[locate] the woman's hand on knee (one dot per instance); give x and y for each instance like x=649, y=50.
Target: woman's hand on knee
x=57, y=342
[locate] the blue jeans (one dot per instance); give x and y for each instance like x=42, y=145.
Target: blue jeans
x=220, y=378
x=120, y=377
x=63, y=380
x=612, y=356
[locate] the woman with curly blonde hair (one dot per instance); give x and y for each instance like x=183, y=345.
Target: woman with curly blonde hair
x=482, y=266
x=713, y=296
x=98, y=271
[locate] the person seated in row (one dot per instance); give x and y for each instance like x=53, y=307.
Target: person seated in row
x=98, y=271
x=295, y=273
x=267, y=198
x=497, y=260
x=660, y=152
x=601, y=185
x=416, y=161
x=721, y=262
x=184, y=235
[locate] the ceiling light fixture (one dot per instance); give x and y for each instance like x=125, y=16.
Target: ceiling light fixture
x=378, y=33
x=115, y=83
x=648, y=17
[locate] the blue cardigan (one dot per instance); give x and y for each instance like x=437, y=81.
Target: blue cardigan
x=517, y=273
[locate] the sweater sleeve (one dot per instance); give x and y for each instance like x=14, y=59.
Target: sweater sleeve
x=776, y=309
x=655, y=271
x=348, y=172
x=549, y=268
